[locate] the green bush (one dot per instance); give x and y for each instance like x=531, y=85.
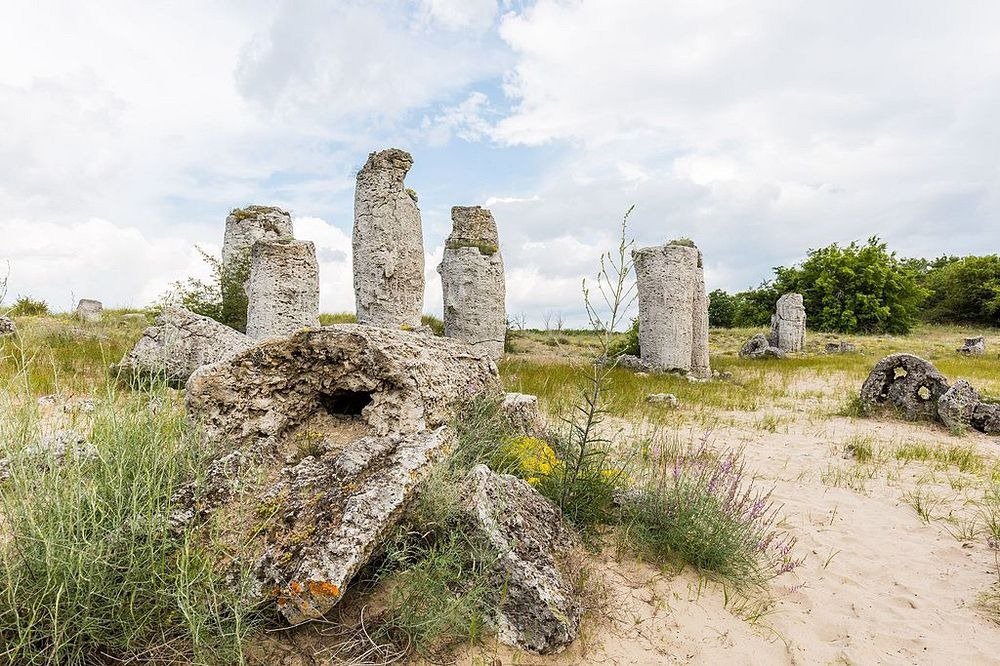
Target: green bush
x=746, y=309
x=856, y=289
x=964, y=291
x=222, y=298
x=628, y=343
x=25, y=306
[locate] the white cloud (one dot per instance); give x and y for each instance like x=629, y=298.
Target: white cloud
x=460, y=14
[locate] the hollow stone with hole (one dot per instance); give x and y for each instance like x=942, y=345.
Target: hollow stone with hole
x=905, y=383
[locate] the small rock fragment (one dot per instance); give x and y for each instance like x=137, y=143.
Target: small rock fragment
x=759, y=347
x=973, y=346
x=668, y=399
x=89, y=310
x=523, y=413
x=7, y=326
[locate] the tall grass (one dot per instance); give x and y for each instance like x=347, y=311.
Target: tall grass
x=92, y=571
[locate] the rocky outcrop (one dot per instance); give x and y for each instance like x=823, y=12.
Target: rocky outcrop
x=523, y=413
x=472, y=281
x=395, y=381
x=329, y=513
x=759, y=347
x=906, y=383
x=673, y=308
x=282, y=288
x=541, y=608
x=962, y=407
x=788, y=324
x=89, y=310
x=7, y=326
x=973, y=346
x=180, y=343
x=388, y=244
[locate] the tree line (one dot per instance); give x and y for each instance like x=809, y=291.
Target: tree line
x=865, y=288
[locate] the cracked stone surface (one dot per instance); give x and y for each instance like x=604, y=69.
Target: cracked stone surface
x=541, y=608
x=388, y=244
x=906, y=383
x=7, y=326
x=524, y=414
x=89, y=310
x=282, y=288
x=788, y=324
x=180, y=343
x=246, y=226
x=673, y=308
x=472, y=281
x=973, y=346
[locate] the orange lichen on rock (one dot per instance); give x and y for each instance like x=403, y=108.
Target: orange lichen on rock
x=322, y=588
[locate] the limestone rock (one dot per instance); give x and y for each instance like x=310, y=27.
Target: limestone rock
x=89, y=310
x=180, y=343
x=388, y=244
x=986, y=418
x=246, y=226
x=394, y=380
x=906, y=383
x=973, y=346
x=7, y=326
x=625, y=361
x=331, y=513
x=759, y=347
x=840, y=348
x=472, y=281
x=282, y=288
x=523, y=412
x=788, y=324
x=668, y=399
x=956, y=405
x=541, y=608
x=673, y=308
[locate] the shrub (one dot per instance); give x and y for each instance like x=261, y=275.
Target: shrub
x=25, y=306
x=965, y=291
x=433, y=323
x=222, y=298
x=701, y=510
x=856, y=289
x=628, y=343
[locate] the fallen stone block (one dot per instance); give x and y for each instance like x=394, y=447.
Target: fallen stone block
x=906, y=383
x=759, y=347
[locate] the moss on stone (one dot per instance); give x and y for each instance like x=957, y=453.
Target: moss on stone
x=484, y=247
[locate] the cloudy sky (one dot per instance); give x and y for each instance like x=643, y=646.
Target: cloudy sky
x=759, y=129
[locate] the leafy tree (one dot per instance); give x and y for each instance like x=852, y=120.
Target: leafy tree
x=721, y=308
x=964, y=290
x=755, y=306
x=860, y=288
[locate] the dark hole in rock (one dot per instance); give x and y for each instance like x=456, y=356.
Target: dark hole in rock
x=899, y=373
x=345, y=403
x=924, y=393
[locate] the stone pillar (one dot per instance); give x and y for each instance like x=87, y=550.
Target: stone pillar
x=388, y=244
x=283, y=288
x=246, y=226
x=788, y=324
x=472, y=281
x=673, y=308
x=89, y=310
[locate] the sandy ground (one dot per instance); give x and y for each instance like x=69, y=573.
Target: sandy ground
x=878, y=584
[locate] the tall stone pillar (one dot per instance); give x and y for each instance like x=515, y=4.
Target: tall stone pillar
x=788, y=324
x=244, y=227
x=472, y=281
x=673, y=308
x=283, y=288
x=388, y=244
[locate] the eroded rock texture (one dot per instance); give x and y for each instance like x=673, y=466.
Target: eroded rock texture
x=331, y=512
x=180, y=343
x=472, y=281
x=759, y=347
x=246, y=226
x=673, y=308
x=973, y=346
x=788, y=324
x=962, y=407
x=89, y=310
x=282, y=288
x=7, y=326
x=388, y=244
x=541, y=608
x=523, y=413
x=840, y=348
x=906, y=383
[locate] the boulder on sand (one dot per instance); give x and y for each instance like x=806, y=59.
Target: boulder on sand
x=906, y=383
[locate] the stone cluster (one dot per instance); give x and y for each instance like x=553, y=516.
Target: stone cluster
x=914, y=389
x=673, y=308
x=472, y=281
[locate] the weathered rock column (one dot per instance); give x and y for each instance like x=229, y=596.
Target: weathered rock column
x=283, y=288
x=388, y=244
x=246, y=226
x=673, y=308
x=89, y=310
x=788, y=324
x=472, y=281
